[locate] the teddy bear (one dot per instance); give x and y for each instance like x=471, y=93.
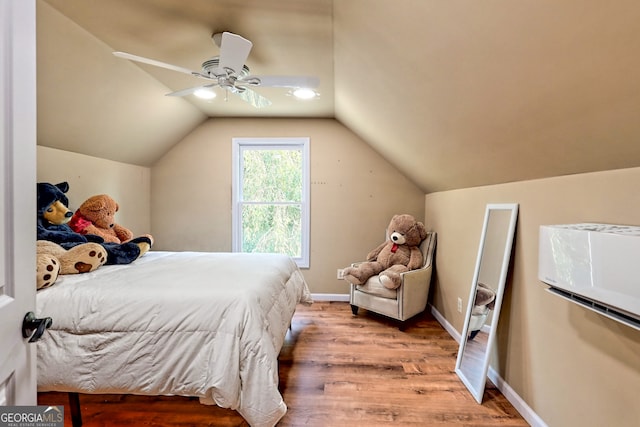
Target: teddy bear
x=53, y=260
x=96, y=215
x=47, y=270
x=53, y=216
x=399, y=253
x=483, y=302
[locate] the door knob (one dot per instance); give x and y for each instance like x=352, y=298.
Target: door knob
x=31, y=323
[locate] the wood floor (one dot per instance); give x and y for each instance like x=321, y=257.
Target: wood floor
x=335, y=370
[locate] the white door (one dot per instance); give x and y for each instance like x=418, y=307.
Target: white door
x=17, y=195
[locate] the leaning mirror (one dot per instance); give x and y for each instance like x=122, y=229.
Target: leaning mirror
x=485, y=298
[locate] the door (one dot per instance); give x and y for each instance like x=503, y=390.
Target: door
x=17, y=195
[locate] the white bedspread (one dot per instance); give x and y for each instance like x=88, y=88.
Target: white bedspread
x=174, y=323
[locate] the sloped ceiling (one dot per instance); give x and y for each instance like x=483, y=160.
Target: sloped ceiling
x=454, y=93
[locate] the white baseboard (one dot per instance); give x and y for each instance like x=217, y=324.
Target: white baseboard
x=518, y=403
x=330, y=297
x=445, y=324
x=521, y=406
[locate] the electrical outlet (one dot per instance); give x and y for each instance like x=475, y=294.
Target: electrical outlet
x=459, y=305
x=340, y=274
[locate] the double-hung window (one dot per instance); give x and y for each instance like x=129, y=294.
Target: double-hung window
x=270, y=197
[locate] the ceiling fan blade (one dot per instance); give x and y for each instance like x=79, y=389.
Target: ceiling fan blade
x=253, y=98
x=234, y=51
x=189, y=91
x=156, y=63
x=288, y=81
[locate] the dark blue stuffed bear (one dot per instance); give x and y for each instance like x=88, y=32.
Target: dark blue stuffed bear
x=54, y=214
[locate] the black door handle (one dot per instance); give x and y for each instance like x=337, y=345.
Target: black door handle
x=31, y=323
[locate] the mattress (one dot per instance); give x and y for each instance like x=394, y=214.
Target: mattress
x=200, y=324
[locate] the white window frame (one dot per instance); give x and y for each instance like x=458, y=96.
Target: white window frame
x=236, y=197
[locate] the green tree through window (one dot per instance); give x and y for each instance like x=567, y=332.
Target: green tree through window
x=271, y=197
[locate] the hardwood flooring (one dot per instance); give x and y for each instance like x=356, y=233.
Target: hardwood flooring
x=335, y=370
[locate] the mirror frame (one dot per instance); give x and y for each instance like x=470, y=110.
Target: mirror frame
x=477, y=389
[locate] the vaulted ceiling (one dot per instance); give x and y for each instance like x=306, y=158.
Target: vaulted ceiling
x=454, y=93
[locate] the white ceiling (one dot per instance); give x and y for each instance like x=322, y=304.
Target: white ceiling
x=455, y=93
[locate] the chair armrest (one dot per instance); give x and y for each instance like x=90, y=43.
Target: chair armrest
x=413, y=293
x=412, y=277
x=420, y=277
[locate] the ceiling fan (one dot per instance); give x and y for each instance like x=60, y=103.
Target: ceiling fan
x=228, y=71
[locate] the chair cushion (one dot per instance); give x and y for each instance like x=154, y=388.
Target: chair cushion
x=374, y=287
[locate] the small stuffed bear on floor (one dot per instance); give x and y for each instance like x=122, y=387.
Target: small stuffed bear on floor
x=399, y=253
x=96, y=215
x=54, y=260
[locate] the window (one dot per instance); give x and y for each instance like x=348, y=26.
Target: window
x=271, y=196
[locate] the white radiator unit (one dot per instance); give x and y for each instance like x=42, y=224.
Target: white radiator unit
x=594, y=265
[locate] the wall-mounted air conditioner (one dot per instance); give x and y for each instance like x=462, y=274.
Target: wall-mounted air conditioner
x=594, y=265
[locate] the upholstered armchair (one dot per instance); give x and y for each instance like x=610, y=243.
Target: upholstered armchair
x=407, y=300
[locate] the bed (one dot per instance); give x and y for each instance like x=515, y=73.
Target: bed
x=200, y=324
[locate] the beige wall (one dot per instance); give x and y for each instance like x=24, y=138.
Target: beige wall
x=129, y=185
x=354, y=193
x=573, y=367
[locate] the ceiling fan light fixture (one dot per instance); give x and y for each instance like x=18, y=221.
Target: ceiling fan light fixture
x=304, y=93
x=229, y=72
x=204, y=93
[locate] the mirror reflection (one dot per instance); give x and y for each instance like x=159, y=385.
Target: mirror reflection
x=485, y=297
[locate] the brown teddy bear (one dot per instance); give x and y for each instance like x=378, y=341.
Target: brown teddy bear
x=54, y=260
x=483, y=303
x=399, y=253
x=96, y=215
x=47, y=270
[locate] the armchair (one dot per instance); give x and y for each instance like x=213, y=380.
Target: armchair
x=401, y=303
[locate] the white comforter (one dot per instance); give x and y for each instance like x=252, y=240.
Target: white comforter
x=174, y=323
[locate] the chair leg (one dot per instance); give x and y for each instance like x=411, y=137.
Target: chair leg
x=354, y=309
x=74, y=404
